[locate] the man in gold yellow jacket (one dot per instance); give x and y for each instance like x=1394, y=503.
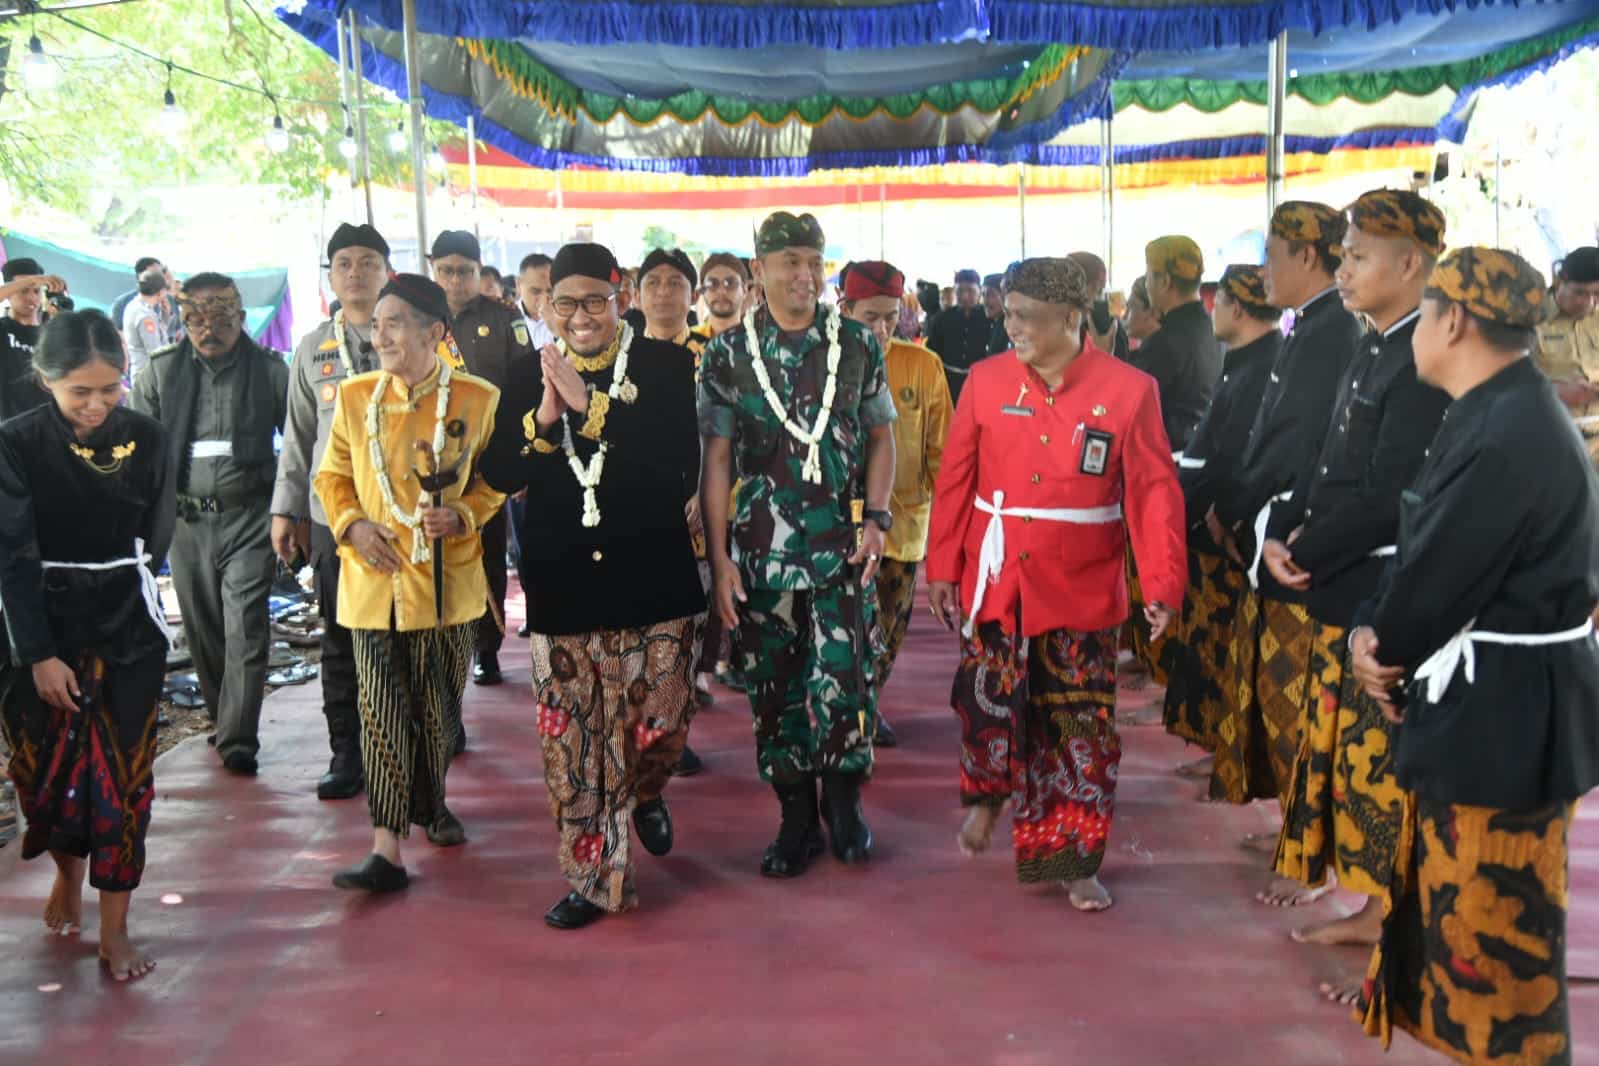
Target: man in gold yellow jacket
x=1568, y=344
x=873, y=292
x=413, y=637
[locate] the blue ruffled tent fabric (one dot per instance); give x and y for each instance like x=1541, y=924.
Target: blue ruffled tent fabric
x=651, y=49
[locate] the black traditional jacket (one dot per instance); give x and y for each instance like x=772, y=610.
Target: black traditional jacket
x=1185, y=359
x=1217, y=446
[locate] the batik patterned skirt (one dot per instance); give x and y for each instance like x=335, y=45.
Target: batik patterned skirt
x=85, y=778
x=1038, y=727
x=1197, y=696
x=896, y=599
x=1344, y=803
x=1472, y=960
x=614, y=709
x=1258, y=742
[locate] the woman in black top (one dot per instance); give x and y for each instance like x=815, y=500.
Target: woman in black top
x=86, y=516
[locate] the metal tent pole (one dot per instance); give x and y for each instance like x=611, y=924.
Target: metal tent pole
x=882, y=220
x=360, y=113
x=344, y=102
x=1277, y=96
x=1107, y=195
x=1021, y=204
x=413, y=83
x=471, y=168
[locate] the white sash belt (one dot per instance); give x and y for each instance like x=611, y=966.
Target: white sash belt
x=1262, y=519
x=211, y=449
x=1439, y=669
x=140, y=559
x=1189, y=462
x=991, y=560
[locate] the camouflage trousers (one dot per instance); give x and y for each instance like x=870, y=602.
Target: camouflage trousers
x=800, y=662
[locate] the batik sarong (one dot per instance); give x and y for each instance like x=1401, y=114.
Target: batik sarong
x=408, y=690
x=1472, y=960
x=85, y=777
x=896, y=599
x=1271, y=671
x=1197, y=696
x=1344, y=804
x=1038, y=727
x=614, y=709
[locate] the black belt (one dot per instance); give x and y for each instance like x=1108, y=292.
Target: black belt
x=194, y=506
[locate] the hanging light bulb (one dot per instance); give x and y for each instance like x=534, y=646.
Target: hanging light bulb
x=398, y=139
x=170, y=120
x=37, y=70
x=277, y=137
x=347, y=146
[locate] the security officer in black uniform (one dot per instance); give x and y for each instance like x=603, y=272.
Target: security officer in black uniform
x=489, y=335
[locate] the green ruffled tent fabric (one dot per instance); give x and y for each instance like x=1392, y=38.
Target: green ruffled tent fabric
x=985, y=95
x=1320, y=89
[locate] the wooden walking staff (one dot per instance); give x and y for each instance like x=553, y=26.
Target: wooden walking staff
x=435, y=479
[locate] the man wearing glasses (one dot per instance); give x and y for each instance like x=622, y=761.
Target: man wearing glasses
x=222, y=397
x=488, y=335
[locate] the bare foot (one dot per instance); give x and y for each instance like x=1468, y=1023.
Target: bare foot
x=1286, y=892
x=63, y=912
x=1088, y=894
x=1265, y=843
x=1363, y=928
x=1345, y=991
x=1151, y=715
x=977, y=830
x=1198, y=770
x=125, y=961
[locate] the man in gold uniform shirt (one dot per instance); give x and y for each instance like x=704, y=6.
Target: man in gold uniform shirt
x=1568, y=344
x=413, y=622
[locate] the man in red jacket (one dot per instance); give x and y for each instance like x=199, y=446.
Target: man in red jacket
x=1054, y=459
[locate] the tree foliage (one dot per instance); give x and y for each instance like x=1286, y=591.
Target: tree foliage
x=97, y=130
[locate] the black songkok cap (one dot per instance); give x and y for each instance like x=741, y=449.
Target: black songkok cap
x=583, y=260
x=1581, y=266
x=456, y=242
x=20, y=268
x=675, y=258
x=363, y=236
x=424, y=294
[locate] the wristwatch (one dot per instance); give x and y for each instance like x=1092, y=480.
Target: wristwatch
x=881, y=519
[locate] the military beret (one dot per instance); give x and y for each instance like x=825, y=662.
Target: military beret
x=1055, y=281
x=993, y=281
x=456, y=242
x=784, y=230
x=422, y=293
x=582, y=259
x=1493, y=284
x=676, y=258
x=1246, y=287
x=1179, y=258
x=363, y=236
x=968, y=277
x=1400, y=213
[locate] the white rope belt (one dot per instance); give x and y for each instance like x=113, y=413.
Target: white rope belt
x=140, y=559
x=1262, y=519
x=1439, y=669
x=991, y=560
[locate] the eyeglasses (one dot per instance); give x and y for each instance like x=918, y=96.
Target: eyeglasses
x=712, y=284
x=566, y=306
x=457, y=273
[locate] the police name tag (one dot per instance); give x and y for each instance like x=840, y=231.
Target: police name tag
x=1096, y=452
x=1016, y=409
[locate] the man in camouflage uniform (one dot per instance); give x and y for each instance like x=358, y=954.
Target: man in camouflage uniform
x=797, y=588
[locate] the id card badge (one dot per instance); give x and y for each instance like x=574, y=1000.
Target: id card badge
x=1096, y=452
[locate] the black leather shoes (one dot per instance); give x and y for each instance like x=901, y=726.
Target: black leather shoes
x=885, y=736
x=447, y=830
x=799, y=839
x=688, y=764
x=241, y=764
x=344, y=777
x=376, y=875
x=523, y=631
x=653, y=820
x=487, y=670
x=841, y=806
x=573, y=912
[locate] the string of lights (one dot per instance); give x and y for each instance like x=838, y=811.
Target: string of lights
x=41, y=72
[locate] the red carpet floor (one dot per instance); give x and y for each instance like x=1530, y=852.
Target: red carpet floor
x=923, y=957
